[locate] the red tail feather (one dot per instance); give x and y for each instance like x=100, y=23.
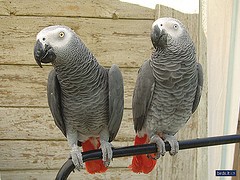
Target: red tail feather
x=141, y=163
x=95, y=166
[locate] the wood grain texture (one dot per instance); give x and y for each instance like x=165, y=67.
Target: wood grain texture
x=34, y=153
x=84, y=8
x=37, y=124
x=49, y=155
x=202, y=112
x=117, y=33
x=3, y=8
x=111, y=174
x=122, y=42
x=24, y=155
x=26, y=85
x=181, y=166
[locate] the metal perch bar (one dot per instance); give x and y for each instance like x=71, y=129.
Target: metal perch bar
x=68, y=166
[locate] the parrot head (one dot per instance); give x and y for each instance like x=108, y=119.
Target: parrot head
x=50, y=42
x=167, y=30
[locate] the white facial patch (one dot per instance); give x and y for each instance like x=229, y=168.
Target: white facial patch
x=55, y=36
x=157, y=22
x=170, y=25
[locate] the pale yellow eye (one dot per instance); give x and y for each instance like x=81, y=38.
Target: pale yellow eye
x=61, y=34
x=175, y=26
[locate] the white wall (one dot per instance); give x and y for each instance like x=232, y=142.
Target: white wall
x=224, y=78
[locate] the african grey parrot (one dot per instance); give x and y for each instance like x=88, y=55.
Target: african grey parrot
x=85, y=99
x=167, y=91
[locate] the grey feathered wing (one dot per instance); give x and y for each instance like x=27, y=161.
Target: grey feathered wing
x=142, y=95
x=199, y=87
x=54, y=100
x=116, y=101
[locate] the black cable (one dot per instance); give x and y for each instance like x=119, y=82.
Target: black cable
x=68, y=166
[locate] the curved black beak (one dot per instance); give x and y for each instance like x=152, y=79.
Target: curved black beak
x=158, y=37
x=43, y=54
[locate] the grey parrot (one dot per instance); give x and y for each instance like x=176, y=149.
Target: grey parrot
x=167, y=91
x=85, y=99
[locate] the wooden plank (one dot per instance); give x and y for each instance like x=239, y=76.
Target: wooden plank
x=4, y=8
x=24, y=155
x=38, y=124
x=83, y=8
x=34, y=156
x=202, y=111
x=23, y=86
x=41, y=154
x=122, y=42
x=26, y=85
x=178, y=166
x=20, y=155
x=112, y=174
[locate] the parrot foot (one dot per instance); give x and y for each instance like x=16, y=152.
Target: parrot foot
x=107, y=153
x=173, y=143
x=160, y=146
x=77, y=157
